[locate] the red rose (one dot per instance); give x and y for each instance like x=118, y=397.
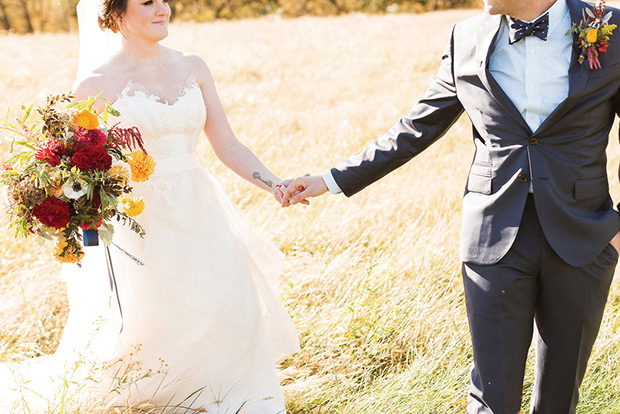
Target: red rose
x=92, y=157
x=85, y=137
x=53, y=213
x=50, y=151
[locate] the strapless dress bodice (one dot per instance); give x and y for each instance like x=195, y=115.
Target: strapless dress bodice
x=170, y=130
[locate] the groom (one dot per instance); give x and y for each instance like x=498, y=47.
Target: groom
x=540, y=234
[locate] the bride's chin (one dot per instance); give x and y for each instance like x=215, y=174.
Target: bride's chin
x=163, y=34
x=157, y=34
x=158, y=37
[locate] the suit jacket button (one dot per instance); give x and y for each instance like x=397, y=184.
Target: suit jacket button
x=522, y=178
x=533, y=141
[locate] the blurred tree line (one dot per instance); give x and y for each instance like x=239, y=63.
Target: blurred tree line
x=27, y=16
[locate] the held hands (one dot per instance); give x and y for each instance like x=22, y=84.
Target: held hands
x=297, y=191
x=280, y=189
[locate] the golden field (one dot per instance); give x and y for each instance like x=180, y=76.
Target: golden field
x=372, y=282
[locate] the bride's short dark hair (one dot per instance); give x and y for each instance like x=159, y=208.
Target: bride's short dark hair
x=111, y=10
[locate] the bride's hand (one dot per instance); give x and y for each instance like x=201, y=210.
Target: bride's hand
x=279, y=189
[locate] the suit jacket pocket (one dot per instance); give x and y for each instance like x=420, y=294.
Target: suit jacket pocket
x=480, y=178
x=591, y=188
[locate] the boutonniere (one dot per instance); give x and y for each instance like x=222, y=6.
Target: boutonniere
x=592, y=33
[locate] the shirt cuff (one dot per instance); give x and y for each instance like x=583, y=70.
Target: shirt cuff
x=331, y=183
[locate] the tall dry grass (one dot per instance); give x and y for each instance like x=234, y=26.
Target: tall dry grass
x=372, y=282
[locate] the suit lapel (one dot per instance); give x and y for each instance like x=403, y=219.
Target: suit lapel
x=485, y=42
x=577, y=74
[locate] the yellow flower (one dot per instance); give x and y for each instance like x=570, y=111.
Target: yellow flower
x=56, y=188
x=120, y=172
x=86, y=119
x=73, y=254
x=592, y=36
x=133, y=207
x=142, y=166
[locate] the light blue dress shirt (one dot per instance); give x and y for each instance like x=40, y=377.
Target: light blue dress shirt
x=532, y=72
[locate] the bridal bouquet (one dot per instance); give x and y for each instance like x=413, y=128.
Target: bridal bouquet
x=70, y=171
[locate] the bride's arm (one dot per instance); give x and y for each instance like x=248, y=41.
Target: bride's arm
x=226, y=146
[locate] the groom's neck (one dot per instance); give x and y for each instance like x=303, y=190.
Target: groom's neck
x=519, y=9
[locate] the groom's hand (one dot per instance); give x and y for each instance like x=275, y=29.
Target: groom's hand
x=302, y=188
x=615, y=242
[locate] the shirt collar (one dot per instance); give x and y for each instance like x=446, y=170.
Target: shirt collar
x=556, y=13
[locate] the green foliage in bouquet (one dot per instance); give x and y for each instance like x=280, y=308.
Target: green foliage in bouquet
x=68, y=171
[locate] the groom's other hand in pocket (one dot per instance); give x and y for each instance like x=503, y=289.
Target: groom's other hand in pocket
x=615, y=242
x=302, y=188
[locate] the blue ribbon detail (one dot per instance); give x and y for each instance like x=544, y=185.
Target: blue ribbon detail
x=90, y=237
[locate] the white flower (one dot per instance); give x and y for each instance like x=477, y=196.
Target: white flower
x=74, y=189
x=123, y=164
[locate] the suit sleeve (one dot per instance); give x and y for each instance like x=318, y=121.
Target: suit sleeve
x=427, y=121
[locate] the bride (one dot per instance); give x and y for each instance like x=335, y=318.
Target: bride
x=198, y=323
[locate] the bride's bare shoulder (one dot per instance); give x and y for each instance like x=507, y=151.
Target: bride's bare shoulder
x=89, y=86
x=197, y=67
x=102, y=82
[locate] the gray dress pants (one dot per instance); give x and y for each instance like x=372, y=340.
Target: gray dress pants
x=532, y=287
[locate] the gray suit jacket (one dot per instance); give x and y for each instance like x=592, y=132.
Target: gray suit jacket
x=566, y=154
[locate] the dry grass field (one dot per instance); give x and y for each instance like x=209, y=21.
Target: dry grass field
x=372, y=282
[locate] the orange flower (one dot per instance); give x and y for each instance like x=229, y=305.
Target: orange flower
x=142, y=166
x=133, y=207
x=73, y=255
x=592, y=36
x=86, y=119
x=56, y=187
x=120, y=172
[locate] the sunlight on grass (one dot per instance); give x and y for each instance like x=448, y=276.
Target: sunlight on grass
x=372, y=282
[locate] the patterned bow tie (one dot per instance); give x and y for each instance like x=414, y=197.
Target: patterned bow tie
x=519, y=29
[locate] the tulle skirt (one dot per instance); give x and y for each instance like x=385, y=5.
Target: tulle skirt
x=198, y=324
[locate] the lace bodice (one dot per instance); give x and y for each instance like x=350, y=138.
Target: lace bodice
x=169, y=129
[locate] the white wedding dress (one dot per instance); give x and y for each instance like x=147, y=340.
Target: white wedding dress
x=202, y=322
